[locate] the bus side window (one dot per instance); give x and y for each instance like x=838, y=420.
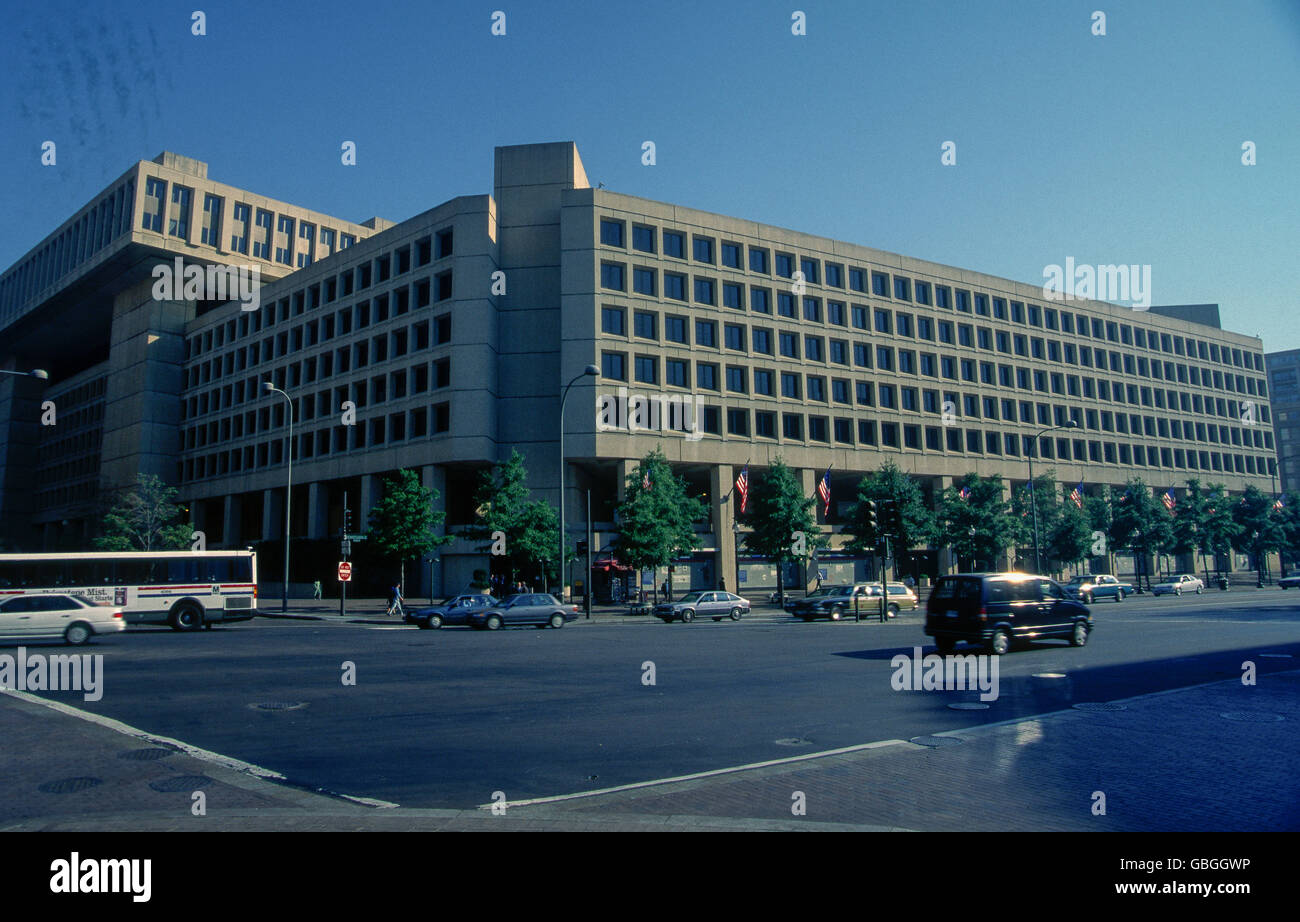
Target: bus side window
x=181, y=570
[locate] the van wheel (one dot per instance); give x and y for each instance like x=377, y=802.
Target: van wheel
x=1080, y=636
x=945, y=645
x=77, y=634
x=1000, y=642
x=187, y=618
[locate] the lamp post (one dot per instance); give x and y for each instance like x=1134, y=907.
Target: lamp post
x=288, y=492
x=34, y=373
x=589, y=371
x=1033, y=498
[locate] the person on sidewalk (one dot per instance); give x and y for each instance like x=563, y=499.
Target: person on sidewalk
x=316, y=594
x=395, y=601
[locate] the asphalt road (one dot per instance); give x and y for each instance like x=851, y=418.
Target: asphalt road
x=446, y=718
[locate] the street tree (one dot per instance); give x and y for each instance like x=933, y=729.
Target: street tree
x=403, y=523
x=977, y=523
x=657, y=518
x=510, y=523
x=144, y=517
x=784, y=526
x=1040, y=496
x=1141, y=524
x=1260, y=531
x=889, y=484
x=1069, y=541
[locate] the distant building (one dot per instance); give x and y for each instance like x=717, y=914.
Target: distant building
x=1284, y=391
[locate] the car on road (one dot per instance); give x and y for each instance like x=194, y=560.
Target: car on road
x=50, y=616
x=537, y=608
x=833, y=602
x=1289, y=582
x=453, y=610
x=900, y=598
x=1177, y=585
x=1088, y=589
x=1001, y=609
x=717, y=605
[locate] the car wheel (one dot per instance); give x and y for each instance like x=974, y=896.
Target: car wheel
x=837, y=613
x=1119, y=595
x=434, y=622
x=187, y=618
x=688, y=616
x=1087, y=599
x=1178, y=592
x=77, y=634
x=1198, y=590
x=736, y=613
x=1000, y=642
x=493, y=622
x=945, y=645
x=557, y=620
x=1080, y=635
x=893, y=610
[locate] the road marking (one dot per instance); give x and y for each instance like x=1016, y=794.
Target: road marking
x=204, y=755
x=696, y=776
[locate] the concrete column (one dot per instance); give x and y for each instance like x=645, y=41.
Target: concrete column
x=272, y=515
x=433, y=476
x=947, y=560
x=370, y=487
x=624, y=471
x=318, y=510
x=808, y=484
x=724, y=514
x=230, y=521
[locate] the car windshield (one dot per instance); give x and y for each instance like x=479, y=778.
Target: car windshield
x=1079, y=580
x=840, y=590
x=511, y=600
x=823, y=593
x=690, y=597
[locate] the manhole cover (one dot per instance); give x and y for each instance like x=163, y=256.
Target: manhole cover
x=793, y=741
x=178, y=783
x=1252, y=717
x=968, y=706
x=1099, y=706
x=277, y=705
x=68, y=785
x=144, y=755
x=592, y=777
x=936, y=742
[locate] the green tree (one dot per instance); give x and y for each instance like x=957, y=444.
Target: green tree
x=1042, y=498
x=1099, y=512
x=781, y=519
x=1260, y=531
x=144, y=517
x=1070, y=540
x=1141, y=524
x=1289, y=519
x=402, y=523
x=890, y=483
x=656, y=519
x=1220, y=529
x=505, y=505
x=980, y=526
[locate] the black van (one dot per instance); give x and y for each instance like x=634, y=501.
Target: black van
x=997, y=609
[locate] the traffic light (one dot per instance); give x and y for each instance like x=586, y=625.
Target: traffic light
x=872, y=522
x=893, y=521
x=347, y=521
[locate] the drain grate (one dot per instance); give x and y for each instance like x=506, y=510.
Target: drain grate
x=1252, y=717
x=145, y=755
x=793, y=741
x=1099, y=706
x=969, y=706
x=936, y=742
x=177, y=783
x=69, y=785
x=277, y=705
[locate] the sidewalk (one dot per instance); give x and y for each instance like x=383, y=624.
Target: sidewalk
x=1216, y=757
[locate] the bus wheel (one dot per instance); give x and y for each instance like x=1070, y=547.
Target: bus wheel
x=187, y=618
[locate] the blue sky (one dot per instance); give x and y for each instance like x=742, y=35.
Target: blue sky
x=1123, y=148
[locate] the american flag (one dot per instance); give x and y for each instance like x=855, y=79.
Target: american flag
x=1278, y=504
x=645, y=479
x=824, y=491
x=742, y=487
x=1076, y=495
x=1168, y=499
x=963, y=494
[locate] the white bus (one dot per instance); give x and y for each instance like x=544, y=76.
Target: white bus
x=186, y=589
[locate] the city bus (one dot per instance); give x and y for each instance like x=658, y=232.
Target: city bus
x=185, y=589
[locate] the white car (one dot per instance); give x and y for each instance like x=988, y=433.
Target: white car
x=48, y=616
x=1177, y=585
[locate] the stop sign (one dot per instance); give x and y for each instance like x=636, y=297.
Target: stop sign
x=345, y=572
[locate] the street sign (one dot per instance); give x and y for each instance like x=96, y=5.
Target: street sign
x=345, y=572
x=354, y=537
x=346, y=547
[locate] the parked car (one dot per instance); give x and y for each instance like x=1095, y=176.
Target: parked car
x=1088, y=589
x=537, y=608
x=1177, y=585
x=52, y=616
x=1289, y=582
x=716, y=605
x=833, y=602
x=999, y=609
x=454, y=610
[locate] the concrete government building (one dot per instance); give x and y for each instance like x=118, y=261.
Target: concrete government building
x=453, y=333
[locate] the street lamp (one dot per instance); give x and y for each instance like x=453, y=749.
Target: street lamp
x=1033, y=499
x=288, y=492
x=34, y=373
x=589, y=371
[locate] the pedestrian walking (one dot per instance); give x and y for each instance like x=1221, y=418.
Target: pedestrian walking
x=316, y=593
x=395, y=601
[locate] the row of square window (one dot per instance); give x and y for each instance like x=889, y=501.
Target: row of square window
x=434, y=288
x=906, y=289
x=420, y=422
x=613, y=321
x=396, y=385
x=614, y=366
x=373, y=351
